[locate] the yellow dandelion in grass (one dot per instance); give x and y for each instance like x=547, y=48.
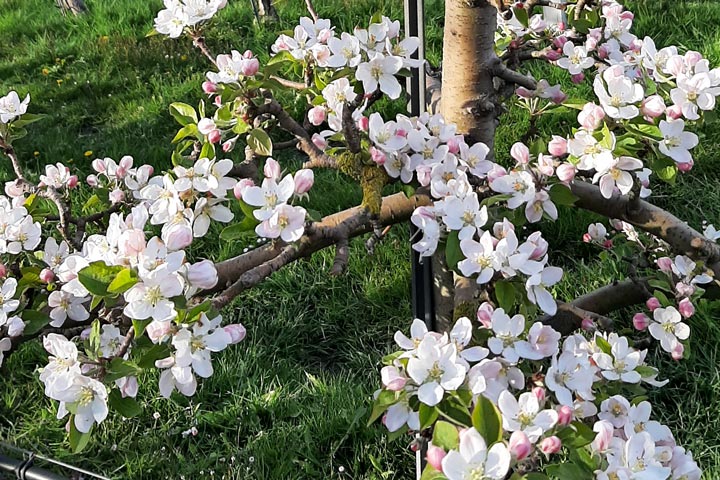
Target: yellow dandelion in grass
x=59, y=81
x=88, y=153
x=45, y=71
x=104, y=39
x=36, y=153
x=183, y=58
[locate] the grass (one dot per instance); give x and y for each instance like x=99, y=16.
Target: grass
x=292, y=400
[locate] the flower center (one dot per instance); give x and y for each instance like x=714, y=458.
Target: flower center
x=153, y=295
x=86, y=396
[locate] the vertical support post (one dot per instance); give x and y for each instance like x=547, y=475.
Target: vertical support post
x=422, y=279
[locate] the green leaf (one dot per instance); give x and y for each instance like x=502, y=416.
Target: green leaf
x=183, y=113
x=78, y=440
x=119, y=368
x=453, y=254
x=565, y=471
x=645, y=130
x=487, y=420
x=189, y=130
x=260, y=142
x=562, y=195
x=27, y=119
x=194, y=313
x=207, y=151
x=140, y=325
x=34, y=321
x=123, y=281
x=603, y=345
x=128, y=407
x=98, y=276
x=240, y=230
x=445, y=436
x=453, y=410
x=505, y=295
x=576, y=435
x=428, y=415
x=94, y=338
x=154, y=353
x=381, y=403
x=522, y=15
x=431, y=474
x=280, y=57
x=606, y=140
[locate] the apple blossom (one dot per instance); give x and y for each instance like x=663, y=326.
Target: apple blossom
x=379, y=72
x=11, y=107
x=676, y=143
x=475, y=460
x=524, y=414
x=668, y=327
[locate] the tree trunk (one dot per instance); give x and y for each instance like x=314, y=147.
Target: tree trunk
x=469, y=101
x=76, y=7
x=468, y=94
x=265, y=10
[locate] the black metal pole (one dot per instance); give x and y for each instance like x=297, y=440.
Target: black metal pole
x=23, y=469
x=422, y=279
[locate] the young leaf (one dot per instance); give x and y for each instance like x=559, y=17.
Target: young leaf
x=260, y=142
x=98, y=276
x=78, y=440
x=123, y=281
x=445, y=436
x=453, y=254
x=487, y=420
x=128, y=407
x=183, y=113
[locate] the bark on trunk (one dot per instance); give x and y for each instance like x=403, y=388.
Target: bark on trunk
x=75, y=7
x=468, y=93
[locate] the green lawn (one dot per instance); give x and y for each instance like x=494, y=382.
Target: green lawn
x=292, y=400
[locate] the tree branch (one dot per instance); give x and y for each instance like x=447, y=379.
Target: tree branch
x=501, y=70
x=249, y=269
x=596, y=304
x=311, y=10
x=679, y=235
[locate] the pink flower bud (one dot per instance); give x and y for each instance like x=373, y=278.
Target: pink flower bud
x=566, y=172
x=209, y=87
x=539, y=393
x=236, y=331
x=72, y=181
x=653, y=106
x=686, y=308
x=640, y=321
x=665, y=264
x=272, y=169
x=557, y=146
x=550, y=445
x=559, y=42
x=435, y=456
x=553, y=55
x=304, y=180
x=92, y=180
x=484, y=314
x=577, y=78
x=591, y=116
x=378, y=156
x=364, y=123
x=178, y=236
x=653, y=304
x=3, y=270
x=674, y=112
x=686, y=167
x=157, y=330
x=214, y=136
x=523, y=92
x=229, y=145
x=316, y=115
x=319, y=141
x=240, y=187
x=202, y=274
x=206, y=125
x=217, y=101
x=678, y=351
x=587, y=238
x=116, y=196
x=565, y=415
x=684, y=289
x=587, y=324
x=99, y=165
x=249, y=67
x=608, y=243
x=454, y=144
x=520, y=446
x=47, y=275
x=520, y=152
x=392, y=378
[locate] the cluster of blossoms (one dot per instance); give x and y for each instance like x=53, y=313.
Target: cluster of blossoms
x=543, y=390
x=179, y=14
